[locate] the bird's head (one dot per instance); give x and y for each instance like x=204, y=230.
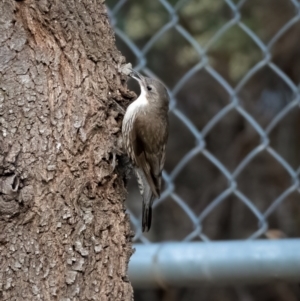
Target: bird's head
x=154, y=90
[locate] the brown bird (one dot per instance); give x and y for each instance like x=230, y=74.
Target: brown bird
x=145, y=132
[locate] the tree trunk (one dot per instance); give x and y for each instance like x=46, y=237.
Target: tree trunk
x=64, y=234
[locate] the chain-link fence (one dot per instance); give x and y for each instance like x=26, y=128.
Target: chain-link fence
x=232, y=71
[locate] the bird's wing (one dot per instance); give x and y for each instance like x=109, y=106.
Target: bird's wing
x=140, y=159
x=149, y=149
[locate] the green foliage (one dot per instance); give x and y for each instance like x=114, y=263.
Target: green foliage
x=234, y=49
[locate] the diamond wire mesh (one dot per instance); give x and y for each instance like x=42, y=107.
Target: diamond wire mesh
x=233, y=105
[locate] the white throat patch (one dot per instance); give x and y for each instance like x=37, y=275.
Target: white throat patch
x=139, y=102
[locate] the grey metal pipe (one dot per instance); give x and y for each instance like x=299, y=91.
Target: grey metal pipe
x=184, y=264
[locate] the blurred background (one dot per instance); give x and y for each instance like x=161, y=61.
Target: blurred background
x=233, y=157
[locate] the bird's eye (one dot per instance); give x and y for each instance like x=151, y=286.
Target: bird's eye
x=149, y=88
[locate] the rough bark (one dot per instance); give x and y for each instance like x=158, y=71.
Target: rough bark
x=64, y=234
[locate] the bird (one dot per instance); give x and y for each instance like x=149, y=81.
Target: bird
x=145, y=130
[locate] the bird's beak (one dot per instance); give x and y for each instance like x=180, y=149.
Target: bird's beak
x=137, y=76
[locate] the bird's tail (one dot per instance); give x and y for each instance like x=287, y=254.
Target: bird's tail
x=148, y=198
x=147, y=217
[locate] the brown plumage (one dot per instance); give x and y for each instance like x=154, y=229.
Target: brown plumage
x=145, y=134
